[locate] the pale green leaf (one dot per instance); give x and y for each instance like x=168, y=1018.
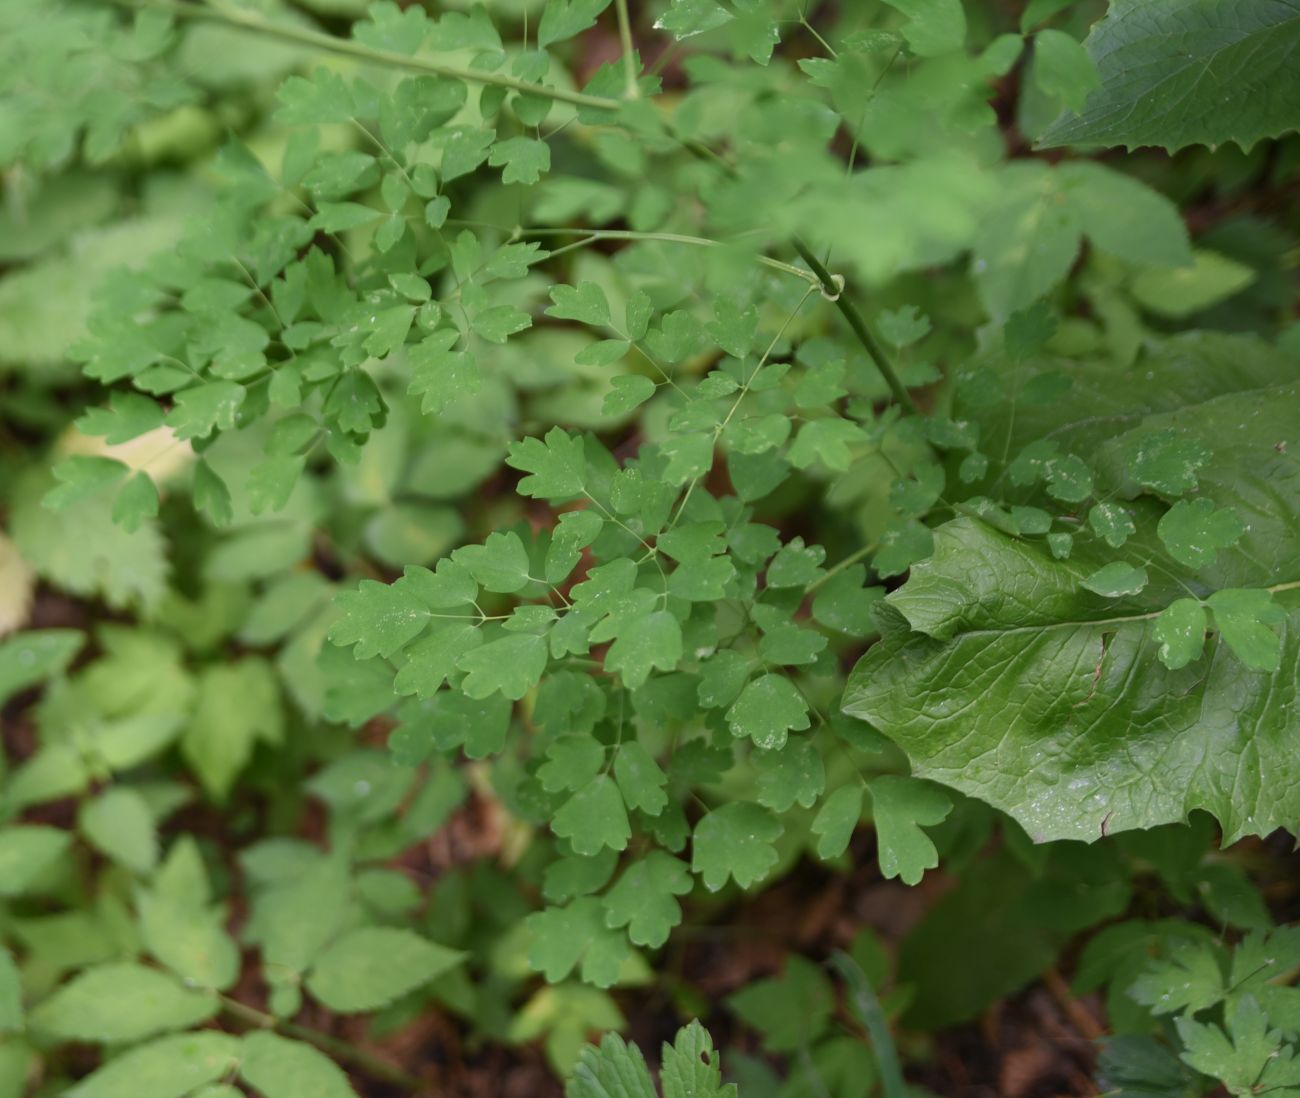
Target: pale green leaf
x=900, y=808
x=166, y=1068
x=735, y=841
x=119, y=1003
x=278, y=1067
x=369, y=967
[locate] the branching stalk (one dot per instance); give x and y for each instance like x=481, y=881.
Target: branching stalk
x=834, y=291
x=304, y=36
x=372, y=1065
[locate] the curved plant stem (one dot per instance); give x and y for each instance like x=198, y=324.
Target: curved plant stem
x=847, y=562
x=304, y=36
x=592, y=235
x=372, y=1065
x=834, y=291
x=867, y=1007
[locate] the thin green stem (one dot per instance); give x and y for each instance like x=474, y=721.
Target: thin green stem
x=833, y=289
x=372, y=1065
x=304, y=36
x=847, y=562
x=867, y=1007
x=592, y=235
x=629, y=52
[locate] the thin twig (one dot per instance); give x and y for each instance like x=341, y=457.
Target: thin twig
x=304, y=36
x=372, y=1065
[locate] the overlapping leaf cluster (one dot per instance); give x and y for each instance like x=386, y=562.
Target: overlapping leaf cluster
x=534, y=432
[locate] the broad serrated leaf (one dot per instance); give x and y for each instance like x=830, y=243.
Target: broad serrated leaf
x=692, y=1068
x=1051, y=692
x=1181, y=72
x=615, y=1069
x=1116, y=580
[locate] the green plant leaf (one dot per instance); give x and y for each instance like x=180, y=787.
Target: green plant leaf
x=34, y=655
x=368, y=968
x=643, y=643
x=1182, y=72
x=768, y=709
x=901, y=807
x=792, y=1010
x=1247, y=1057
x=691, y=1067
x=236, y=706
x=576, y=936
x=166, y=1068
x=119, y=824
x=119, y=1003
x=934, y=26
x=281, y=1068
x=594, y=818
x=1195, y=530
x=642, y=899
x=735, y=841
x=27, y=853
x=950, y=648
x=1116, y=580
x=563, y=19
x=1245, y=618
x=1063, y=69
x=1180, y=632
x=510, y=665
x=613, y=1068
x=837, y=819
